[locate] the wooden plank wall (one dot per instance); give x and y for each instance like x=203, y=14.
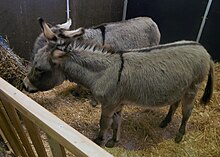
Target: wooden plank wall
x=93, y=12
x=18, y=18
x=19, y=23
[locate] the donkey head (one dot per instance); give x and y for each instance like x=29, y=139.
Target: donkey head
x=46, y=69
x=41, y=41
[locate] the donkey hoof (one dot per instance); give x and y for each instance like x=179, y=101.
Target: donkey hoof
x=75, y=93
x=179, y=138
x=99, y=142
x=111, y=143
x=93, y=103
x=163, y=124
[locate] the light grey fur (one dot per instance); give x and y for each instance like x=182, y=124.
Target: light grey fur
x=153, y=77
x=134, y=33
x=169, y=69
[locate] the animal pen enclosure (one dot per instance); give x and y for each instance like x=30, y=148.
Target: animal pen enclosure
x=21, y=120
x=141, y=135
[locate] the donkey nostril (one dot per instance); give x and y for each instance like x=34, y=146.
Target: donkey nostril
x=27, y=85
x=27, y=89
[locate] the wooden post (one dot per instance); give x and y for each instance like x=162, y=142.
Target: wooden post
x=35, y=137
x=6, y=141
x=11, y=111
x=10, y=133
x=56, y=149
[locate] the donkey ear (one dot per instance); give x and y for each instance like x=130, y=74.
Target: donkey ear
x=46, y=30
x=65, y=25
x=74, y=33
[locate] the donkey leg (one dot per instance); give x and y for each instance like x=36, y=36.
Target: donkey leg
x=76, y=91
x=105, y=123
x=187, y=106
x=170, y=114
x=116, y=127
x=93, y=102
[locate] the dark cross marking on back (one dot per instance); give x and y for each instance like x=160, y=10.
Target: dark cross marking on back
x=121, y=68
x=102, y=29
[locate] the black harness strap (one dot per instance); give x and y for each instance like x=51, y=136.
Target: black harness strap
x=102, y=29
x=121, y=68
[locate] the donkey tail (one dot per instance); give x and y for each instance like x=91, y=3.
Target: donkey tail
x=209, y=86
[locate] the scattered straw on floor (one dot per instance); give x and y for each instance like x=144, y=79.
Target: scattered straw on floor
x=141, y=135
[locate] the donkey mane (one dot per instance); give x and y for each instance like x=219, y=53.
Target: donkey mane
x=79, y=45
x=163, y=46
x=85, y=45
x=77, y=48
x=90, y=46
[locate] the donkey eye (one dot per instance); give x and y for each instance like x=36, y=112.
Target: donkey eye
x=39, y=70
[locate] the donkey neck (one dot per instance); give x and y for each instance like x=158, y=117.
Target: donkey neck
x=77, y=73
x=85, y=64
x=94, y=34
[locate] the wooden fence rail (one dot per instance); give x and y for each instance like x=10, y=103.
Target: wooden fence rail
x=22, y=121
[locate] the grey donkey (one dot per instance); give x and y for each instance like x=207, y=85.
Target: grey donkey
x=150, y=77
x=130, y=34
